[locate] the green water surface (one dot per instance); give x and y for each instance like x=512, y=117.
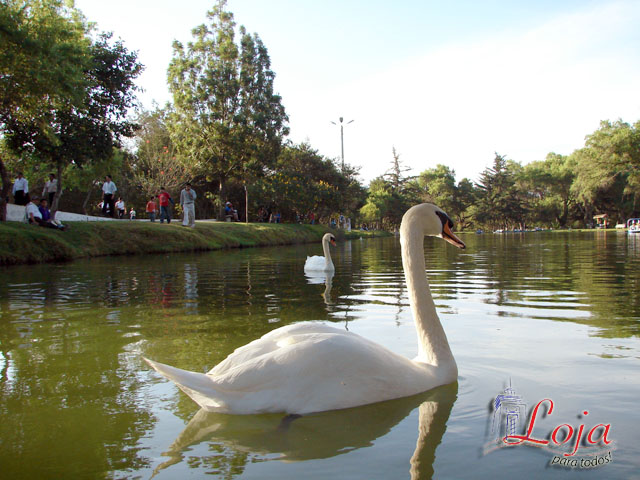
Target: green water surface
x=555, y=314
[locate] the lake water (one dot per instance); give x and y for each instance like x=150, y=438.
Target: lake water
x=556, y=315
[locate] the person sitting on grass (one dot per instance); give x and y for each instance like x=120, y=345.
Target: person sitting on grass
x=44, y=210
x=230, y=212
x=35, y=217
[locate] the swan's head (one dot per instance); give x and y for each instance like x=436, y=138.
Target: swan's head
x=431, y=220
x=329, y=238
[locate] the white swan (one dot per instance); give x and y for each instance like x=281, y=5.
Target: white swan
x=318, y=263
x=311, y=367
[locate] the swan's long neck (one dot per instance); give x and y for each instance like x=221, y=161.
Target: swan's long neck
x=327, y=252
x=433, y=347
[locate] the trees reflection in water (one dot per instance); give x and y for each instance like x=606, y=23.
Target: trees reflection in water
x=76, y=398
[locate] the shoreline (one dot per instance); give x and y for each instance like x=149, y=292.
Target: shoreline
x=22, y=243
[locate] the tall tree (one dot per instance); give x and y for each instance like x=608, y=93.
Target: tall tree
x=43, y=56
x=81, y=133
x=395, y=175
x=498, y=203
x=228, y=122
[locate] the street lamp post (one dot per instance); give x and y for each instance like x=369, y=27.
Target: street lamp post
x=342, y=138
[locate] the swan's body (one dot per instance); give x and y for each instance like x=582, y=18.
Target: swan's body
x=311, y=367
x=318, y=263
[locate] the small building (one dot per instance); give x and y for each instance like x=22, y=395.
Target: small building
x=602, y=221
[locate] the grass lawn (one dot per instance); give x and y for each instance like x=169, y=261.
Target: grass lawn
x=24, y=243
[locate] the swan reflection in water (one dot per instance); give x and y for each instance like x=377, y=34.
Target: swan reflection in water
x=324, y=434
x=318, y=278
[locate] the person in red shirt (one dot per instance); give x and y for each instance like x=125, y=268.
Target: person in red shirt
x=164, y=199
x=151, y=209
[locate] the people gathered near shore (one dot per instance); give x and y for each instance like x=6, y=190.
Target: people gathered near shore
x=158, y=205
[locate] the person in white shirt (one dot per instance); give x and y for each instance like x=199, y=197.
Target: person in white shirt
x=108, y=189
x=35, y=217
x=187, y=198
x=50, y=188
x=20, y=190
x=120, y=208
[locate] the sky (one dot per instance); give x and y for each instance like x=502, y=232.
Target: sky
x=442, y=82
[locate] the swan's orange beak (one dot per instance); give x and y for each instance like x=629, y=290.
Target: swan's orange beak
x=333, y=242
x=450, y=237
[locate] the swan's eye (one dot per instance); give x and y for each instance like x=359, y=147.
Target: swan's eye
x=445, y=220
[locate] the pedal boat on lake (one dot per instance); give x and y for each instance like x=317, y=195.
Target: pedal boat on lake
x=633, y=225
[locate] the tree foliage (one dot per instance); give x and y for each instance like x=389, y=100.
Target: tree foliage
x=79, y=134
x=156, y=163
x=227, y=120
x=438, y=185
x=304, y=182
x=43, y=54
x=65, y=93
x=499, y=202
x=608, y=170
x=43, y=58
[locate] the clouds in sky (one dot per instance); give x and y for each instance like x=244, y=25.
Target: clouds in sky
x=447, y=84
x=520, y=93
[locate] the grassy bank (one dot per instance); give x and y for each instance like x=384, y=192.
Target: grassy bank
x=22, y=243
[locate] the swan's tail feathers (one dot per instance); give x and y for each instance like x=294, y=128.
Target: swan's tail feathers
x=199, y=386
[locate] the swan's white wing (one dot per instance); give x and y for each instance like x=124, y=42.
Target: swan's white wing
x=316, y=371
x=303, y=368
x=267, y=344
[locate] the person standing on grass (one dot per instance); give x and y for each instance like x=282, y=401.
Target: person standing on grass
x=108, y=190
x=164, y=198
x=20, y=190
x=50, y=188
x=187, y=199
x=151, y=209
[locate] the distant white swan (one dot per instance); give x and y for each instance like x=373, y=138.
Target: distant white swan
x=311, y=367
x=318, y=263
